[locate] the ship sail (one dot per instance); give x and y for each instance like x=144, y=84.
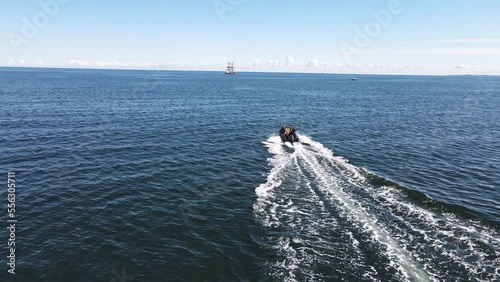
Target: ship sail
x=230, y=68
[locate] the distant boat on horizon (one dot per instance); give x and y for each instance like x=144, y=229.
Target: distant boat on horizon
x=230, y=68
x=353, y=79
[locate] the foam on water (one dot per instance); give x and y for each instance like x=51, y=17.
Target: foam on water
x=324, y=214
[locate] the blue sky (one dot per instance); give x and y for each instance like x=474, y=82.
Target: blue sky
x=378, y=36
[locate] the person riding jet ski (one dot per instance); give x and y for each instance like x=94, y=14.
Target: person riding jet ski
x=288, y=134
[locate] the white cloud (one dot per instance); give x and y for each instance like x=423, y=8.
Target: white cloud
x=16, y=62
x=476, y=67
x=438, y=51
x=370, y=65
x=273, y=63
x=472, y=40
x=313, y=63
x=125, y=65
x=78, y=63
x=254, y=64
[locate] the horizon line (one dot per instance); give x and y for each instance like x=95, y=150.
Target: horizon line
x=245, y=71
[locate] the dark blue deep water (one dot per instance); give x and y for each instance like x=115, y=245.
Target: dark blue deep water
x=179, y=176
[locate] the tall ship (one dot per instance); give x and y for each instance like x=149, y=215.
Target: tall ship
x=229, y=68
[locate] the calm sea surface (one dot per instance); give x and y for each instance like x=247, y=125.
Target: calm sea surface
x=180, y=176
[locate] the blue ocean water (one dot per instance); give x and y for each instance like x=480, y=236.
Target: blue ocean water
x=180, y=176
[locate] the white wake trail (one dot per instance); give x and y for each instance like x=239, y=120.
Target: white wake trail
x=401, y=259
x=323, y=213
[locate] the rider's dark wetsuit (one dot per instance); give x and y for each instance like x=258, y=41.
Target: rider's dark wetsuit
x=290, y=137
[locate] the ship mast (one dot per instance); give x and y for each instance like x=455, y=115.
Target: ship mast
x=230, y=68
